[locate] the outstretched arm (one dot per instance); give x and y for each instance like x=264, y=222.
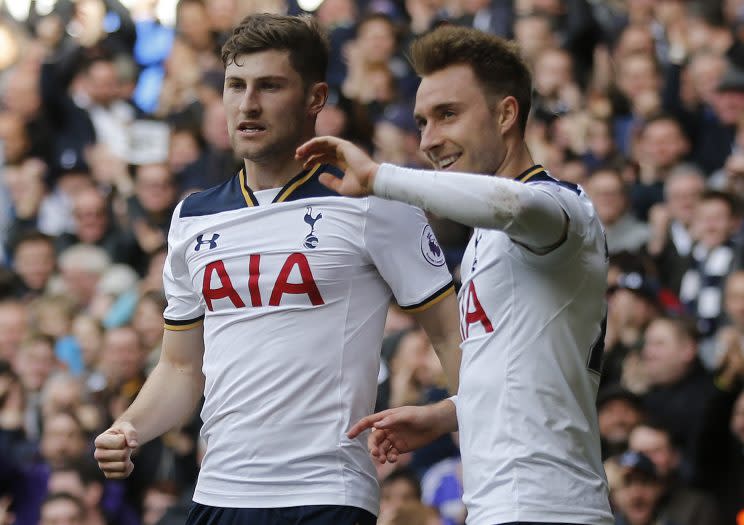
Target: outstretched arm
x=525, y=213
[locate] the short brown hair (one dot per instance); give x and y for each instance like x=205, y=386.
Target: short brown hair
x=300, y=35
x=495, y=62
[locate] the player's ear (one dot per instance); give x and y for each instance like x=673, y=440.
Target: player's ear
x=508, y=113
x=316, y=97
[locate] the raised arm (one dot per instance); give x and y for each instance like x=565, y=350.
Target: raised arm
x=168, y=398
x=527, y=214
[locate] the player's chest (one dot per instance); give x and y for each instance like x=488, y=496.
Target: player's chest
x=303, y=254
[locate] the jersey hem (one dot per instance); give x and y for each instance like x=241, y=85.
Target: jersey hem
x=537, y=517
x=447, y=289
x=268, y=501
x=187, y=324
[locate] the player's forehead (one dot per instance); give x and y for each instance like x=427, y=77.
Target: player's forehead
x=455, y=84
x=261, y=64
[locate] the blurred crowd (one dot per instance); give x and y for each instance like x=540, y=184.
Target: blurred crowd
x=109, y=116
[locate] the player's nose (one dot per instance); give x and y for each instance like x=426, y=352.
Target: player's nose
x=430, y=139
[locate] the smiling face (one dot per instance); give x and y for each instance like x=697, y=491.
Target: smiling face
x=268, y=109
x=459, y=125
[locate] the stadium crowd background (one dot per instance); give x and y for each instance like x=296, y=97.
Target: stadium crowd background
x=111, y=113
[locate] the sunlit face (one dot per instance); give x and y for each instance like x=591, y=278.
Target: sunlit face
x=666, y=355
x=459, y=130
x=266, y=105
x=608, y=195
x=714, y=222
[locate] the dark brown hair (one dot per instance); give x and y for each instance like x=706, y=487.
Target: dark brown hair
x=495, y=62
x=300, y=35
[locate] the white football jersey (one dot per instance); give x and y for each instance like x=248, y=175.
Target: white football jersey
x=533, y=332
x=293, y=295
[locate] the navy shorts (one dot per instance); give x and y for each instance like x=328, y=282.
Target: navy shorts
x=304, y=515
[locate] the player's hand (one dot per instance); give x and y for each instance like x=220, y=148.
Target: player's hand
x=114, y=450
x=400, y=430
x=359, y=168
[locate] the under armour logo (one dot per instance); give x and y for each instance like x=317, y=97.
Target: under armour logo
x=311, y=241
x=211, y=242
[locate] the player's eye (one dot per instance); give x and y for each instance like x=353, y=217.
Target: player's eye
x=448, y=114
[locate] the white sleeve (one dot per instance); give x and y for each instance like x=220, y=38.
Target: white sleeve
x=527, y=213
x=405, y=251
x=185, y=308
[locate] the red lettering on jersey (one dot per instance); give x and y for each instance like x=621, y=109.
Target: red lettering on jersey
x=253, y=274
x=226, y=290
x=307, y=286
x=478, y=315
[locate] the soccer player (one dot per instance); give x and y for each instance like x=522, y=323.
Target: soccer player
x=277, y=294
x=532, y=308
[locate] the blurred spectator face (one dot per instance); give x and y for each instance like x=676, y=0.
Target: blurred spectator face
x=336, y=12
x=533, y=35
x=397, y=493
x=222, y=14
x=728, y=106
x=397, y=320
x=193, y=25
x=737, y=419
x=155, y=188
x=607, y=192
x=89, y=210
x=667, y=354
x=376, y=40
x=713, y=223
x=682, y=194
x=156, y=503
x=637, y=75
x=102, y=82
x=15, y=141
x=154, y=278
x=33, y=261
x=52, y=315
x=21, y=94
x=214, y=127
x=36, y=362
x=415, y=354
x=61, y=392
x=634, y=39
x=89, y=335
x=62, y=439
x=599, y=138
x=734, y=298
x=148, y=321
x=184, y=149
x=332, y=120
x=13, y=328
x=734, y=170
x=637, y=497
x=466, y=140
x=662, y=144
x=123, y=358
x=266, y=118
x=90, y=13
x=617, y=417
x=657, y=446
x=61, y=511
x=553, y=71
x=705, y=71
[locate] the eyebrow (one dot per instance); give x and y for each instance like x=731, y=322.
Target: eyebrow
x=439, y=107
x=274, y=78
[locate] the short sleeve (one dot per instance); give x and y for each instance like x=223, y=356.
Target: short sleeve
x=185, y=309
x=407, y=255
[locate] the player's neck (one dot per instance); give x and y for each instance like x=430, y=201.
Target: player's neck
x=273, y=173
x=516, y=161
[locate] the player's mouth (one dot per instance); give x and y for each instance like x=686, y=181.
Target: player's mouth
x=445, y=163
x=250, y=128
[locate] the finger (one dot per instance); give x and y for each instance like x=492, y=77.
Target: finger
x=317, y=145
x=111, y=440
x=331, y=182
x=368, y=421
x=113, y=467
x=392, y=456
x=104, y=455
x=322, y=158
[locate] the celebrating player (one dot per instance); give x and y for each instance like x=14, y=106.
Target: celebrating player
x=532, y=310
x=277, y=291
